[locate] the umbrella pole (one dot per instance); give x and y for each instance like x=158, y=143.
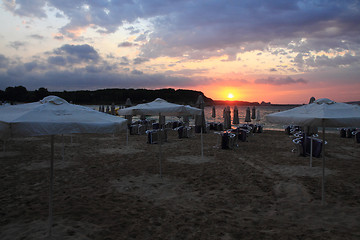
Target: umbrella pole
x=202, y=143
x=160, y=135
x=63, y=147
x=51, y=186
x=127, y=136
x=323, y=165
x=311, y=151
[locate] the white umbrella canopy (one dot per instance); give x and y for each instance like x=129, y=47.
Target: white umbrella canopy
x=160, y=106
x=321, y=113
x=53, y=116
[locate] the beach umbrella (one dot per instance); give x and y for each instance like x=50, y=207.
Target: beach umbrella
x=321, y=113
x=128, y=103
x=227, y=118
x=200, y=119
x=54, y=116
x=236, y=116
x=213, y=113
x=247, y=115
x=312, y=99
x=112, y=109
x=160, y=107
x=258, y=115
x=253, y=113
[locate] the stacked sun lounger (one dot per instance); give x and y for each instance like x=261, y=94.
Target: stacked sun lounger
x=303, y=144
x=228, y=140
x=156, y=135
x=216, y=126
x=185, y=132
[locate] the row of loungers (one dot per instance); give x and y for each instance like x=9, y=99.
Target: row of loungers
x=231, y=137
x=350, y=133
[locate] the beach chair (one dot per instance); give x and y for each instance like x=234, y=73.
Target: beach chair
x=185, y=132
x=228, y=140
x=154, y=136
x=343, y=132
x=134, y=129
x=357, y=136
x=303, y=146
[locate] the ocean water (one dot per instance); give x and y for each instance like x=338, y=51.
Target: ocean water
x=264, y=110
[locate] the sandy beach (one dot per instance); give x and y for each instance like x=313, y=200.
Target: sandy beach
x=105, y=189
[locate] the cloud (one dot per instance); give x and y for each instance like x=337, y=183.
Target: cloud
x=280, y=81
x=34, y=8
x=4, y=61
x=323, y=60
x=124, y=61
x=30, y=66
x=37, y=36
x=17, y=44
x=57, y=60
x=140, y=60
x=91, y=78
x=75, y=54
x=192, y=27
x=137, y=72
x=125, y=44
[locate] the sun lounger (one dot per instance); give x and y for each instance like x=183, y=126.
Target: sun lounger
x=343, y=132
x=228, y=140
x=303, y=146
x=357, y=136
x=184, y=132
x=154, y=136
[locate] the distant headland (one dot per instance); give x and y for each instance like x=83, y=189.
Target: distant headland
x=118, y=96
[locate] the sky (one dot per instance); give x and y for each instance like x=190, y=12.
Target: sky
x=278, y=51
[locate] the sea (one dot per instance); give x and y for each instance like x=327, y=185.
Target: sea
x=264, y=110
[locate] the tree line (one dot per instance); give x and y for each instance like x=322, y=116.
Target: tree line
x=104, y=96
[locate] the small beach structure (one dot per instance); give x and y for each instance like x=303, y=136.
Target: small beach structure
x=321, y=113
x=55, y=116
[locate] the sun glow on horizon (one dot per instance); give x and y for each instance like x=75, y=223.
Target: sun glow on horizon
x=230, y=96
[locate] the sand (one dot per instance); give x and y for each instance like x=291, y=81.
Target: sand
x=105, y=188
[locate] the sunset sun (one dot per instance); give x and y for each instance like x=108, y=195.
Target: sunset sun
x=230, y=96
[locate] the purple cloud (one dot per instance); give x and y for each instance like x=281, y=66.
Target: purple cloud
x=280, y=81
